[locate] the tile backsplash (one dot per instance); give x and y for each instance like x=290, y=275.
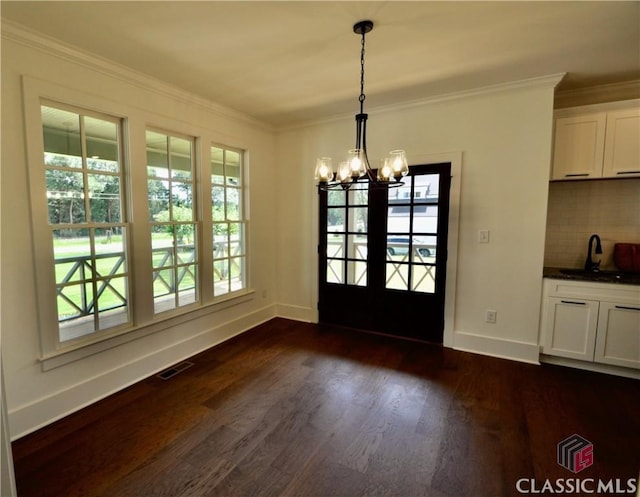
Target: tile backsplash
x=578, y=209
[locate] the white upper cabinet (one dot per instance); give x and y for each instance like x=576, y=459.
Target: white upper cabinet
x=622, y=144
x=598, y=141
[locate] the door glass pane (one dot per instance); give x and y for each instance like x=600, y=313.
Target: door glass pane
x=397, y=248
x=397, y=276
x=336, y=197
x=426, y=188
x=424, y=249
x=335, y=219
x=401, y=194
x=425, y=219
x=357, y=273
x=399, y=219
x=358, y=197
x=423, y=278
x=357, y=247
x=335, y=245
x=358, y=219
x=335, y=271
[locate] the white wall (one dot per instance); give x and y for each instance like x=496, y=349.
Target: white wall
x=34, y=397
x=504, y=134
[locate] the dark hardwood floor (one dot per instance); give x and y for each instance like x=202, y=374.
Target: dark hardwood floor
x=293, y=409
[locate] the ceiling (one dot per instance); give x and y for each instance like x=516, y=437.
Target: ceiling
x=289, y=61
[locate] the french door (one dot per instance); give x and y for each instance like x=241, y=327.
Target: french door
x=382, y=255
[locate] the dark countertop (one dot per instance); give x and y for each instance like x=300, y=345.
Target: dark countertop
x=597, y=276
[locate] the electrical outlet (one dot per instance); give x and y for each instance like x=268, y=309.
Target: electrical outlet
x=490, y=316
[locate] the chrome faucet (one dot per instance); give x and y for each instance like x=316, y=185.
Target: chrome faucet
x=589, y=265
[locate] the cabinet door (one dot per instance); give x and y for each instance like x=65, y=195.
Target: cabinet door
x=622, y=144
x=618, y=340
x=571, y=328
x=579, y=146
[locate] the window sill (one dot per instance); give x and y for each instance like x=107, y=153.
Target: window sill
x=79, y=351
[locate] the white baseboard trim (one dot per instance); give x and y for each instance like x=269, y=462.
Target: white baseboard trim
x=591, y=366
x=41, y=412
x=296, y=313
x=496, y=347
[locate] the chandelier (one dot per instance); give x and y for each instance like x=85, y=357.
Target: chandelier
x=356, y=172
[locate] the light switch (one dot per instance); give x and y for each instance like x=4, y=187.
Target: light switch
x=483, y=236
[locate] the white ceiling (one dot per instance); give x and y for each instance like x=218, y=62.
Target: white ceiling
x=283, y=62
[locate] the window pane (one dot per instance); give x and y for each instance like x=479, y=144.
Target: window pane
x=186, y=248
x=236, y=268
x=233, y=206
x=61, y=133
x=217, y=166
x=65, y=196
x=157, y=154
x=180, y=158
x=162, y=247
x=401, y=194
x=158, y=195
x=112, y=302
x=232, y=168
x=110, y=251
x=102, y=145
x=221, y=277
x=104, y=198
x=187, y=284
x=72, y=255
x=182, y=202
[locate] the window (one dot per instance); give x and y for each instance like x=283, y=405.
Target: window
x=86, y=219
x=102, y=279
x=171, y=215
x=227, y=214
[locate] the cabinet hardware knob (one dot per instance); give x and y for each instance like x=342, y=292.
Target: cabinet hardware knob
x=628, y=308
x=573, y=302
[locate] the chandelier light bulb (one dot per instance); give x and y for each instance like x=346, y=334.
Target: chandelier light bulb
x=356, y=164
x=344, y=173
x=324, y=169
x=400, y=165
x=385, y=171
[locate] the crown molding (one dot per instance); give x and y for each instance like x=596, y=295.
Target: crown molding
x=624, y=90
x=548, y=81
x=22, y=35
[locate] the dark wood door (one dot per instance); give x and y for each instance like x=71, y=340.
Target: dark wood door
x=383, y=253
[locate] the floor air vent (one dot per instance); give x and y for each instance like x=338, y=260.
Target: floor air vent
x=174, y=370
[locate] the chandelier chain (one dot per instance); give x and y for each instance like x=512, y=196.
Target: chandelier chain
x=362, y=95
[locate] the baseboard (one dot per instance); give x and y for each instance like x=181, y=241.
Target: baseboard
x=35, y=415
x=591, y=366
x=297, y=313
x=496, y=347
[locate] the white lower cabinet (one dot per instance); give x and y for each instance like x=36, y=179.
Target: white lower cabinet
x=571, y=328
x=595, y=322
x=618, y=338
